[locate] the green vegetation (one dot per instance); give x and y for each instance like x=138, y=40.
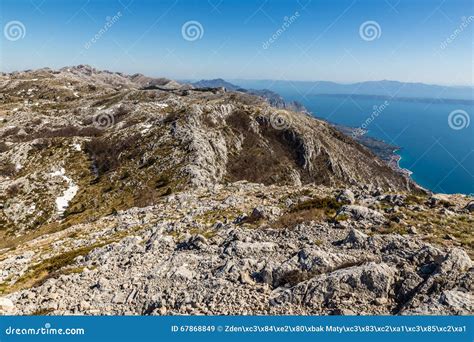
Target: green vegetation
x=328, y=204
x=436, y=226
x=49, y=268
x=42, y=312
x=309, y=210
x=211, y=217
x=415, y=199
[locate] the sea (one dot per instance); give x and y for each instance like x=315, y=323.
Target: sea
x=435, y=138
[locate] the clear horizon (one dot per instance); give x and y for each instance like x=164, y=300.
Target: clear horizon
x=346, y=41
x=230, y=80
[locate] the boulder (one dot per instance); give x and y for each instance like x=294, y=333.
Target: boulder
x=355, y=239
x=189, y=242
x=6, y=306
x=470, y=206
x=346, y=196
x=346, y=288
x=250, y=249
x=264, y=213
x=450, y=302
x=359, y=212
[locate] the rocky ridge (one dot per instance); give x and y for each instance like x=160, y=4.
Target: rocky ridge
x=132, y=195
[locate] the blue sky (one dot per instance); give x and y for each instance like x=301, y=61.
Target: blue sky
x=322, y=40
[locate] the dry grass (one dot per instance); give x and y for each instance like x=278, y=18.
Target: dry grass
x=437, y=227
x=49, y=268
x=314, y=209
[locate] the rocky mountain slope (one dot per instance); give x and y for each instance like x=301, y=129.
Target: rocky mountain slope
x=272, y=98
x=131, y=195
x=381, y=149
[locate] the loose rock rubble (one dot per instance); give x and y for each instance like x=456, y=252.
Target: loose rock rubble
x=193, y=202
x=163, y=266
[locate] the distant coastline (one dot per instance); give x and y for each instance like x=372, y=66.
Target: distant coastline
x=380, y=148
x=402, y=98
x=397, y=158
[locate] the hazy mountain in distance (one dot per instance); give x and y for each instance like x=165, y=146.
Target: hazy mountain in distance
x=379, y=88
x=134, y=195
x=215, y=83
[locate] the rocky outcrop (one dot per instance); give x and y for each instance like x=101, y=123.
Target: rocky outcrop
x=132, y=195
x=198, y=252
x=133, y=135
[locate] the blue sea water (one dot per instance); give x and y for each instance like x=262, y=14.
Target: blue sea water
x=440, y=155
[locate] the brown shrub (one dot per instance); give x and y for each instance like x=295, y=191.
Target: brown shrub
x=268, y=165
x=292, y=219
x=106, y=153
x=327, y=203
x=294, y=277
x=3, y=147
x=13, y=190
x=7, y=169
x=310, y=210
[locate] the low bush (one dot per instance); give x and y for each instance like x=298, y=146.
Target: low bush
x=7, y=169
x=318, y=203
x=106, y=153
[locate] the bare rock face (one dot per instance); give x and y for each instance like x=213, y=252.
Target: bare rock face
x=133, y=195
x=367, y=284
x=134, y=135
x=470, y=206
x=361, y=213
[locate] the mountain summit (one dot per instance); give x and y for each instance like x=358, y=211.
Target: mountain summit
x=114, y=187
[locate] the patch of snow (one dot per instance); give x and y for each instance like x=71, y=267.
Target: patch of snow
x=59, y=173
x=162, y=105
x=62, y=202
x=77, y=147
